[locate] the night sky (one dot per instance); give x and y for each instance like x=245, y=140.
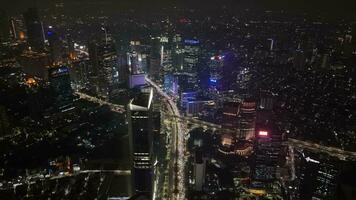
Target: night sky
x=329, y=8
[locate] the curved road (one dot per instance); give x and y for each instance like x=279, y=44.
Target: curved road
x=178, y=146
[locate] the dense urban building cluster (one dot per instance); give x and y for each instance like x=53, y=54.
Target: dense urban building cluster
x=180, y=103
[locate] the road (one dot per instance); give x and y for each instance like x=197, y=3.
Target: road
x=117, y=172
x=114, y=107
x=314, y=147
x=177, y=164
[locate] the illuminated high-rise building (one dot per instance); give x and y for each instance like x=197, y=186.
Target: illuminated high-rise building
x=170, y=84
x=247, y=118
x=161, y=49
x=267, y=149
x=137, y=58
x=191, y=58
x=140, y=134
x=215, y=64
x=267, y=146
x=79, y=74
x=105, y=71
x=317, y=176
x=34, y=26
x=177, y=54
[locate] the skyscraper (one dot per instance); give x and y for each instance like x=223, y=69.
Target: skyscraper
x=268, y=147
x=55, y=46
x=155, y=69
x=318, y=176
x=199, y=170
x=140, y=133
x=60, y=85
x=105, y=72
x=137, y=58
x=190, y=62
x=216, y=64
x=34, y=28
x=79, y=73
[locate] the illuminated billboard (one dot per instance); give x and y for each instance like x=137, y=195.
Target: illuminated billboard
x=58, y=71
x=263, y=133
x=191, y=41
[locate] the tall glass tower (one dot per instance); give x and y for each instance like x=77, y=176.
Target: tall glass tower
x=140, y=133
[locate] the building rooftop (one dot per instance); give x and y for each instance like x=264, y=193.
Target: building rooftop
x=142, y=101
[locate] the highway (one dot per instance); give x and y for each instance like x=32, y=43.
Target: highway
x=117, y=172
x=314, y=147
x=178, y=147
x=114, y=107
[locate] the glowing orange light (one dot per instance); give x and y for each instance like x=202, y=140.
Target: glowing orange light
x=22, y=35
x=30, y=81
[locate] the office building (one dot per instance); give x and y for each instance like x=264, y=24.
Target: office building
x=34, y=26
x=177, y=54
x=190, y=62
x=317, y=176
x=55, y=47
x=79, y=73
x=194, y=108
x=187, y=96
x=199, y=170
x=170, y=84
x=123, y=68
x=60, y=85
x=230, y=113
x=104, y=71
x=267, y=149
x=155, y=68
x=137, y=58
x=215, y=64
x=140, y=134
x=247, y=118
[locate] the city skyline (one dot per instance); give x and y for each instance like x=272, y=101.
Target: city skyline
x=177, y=100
